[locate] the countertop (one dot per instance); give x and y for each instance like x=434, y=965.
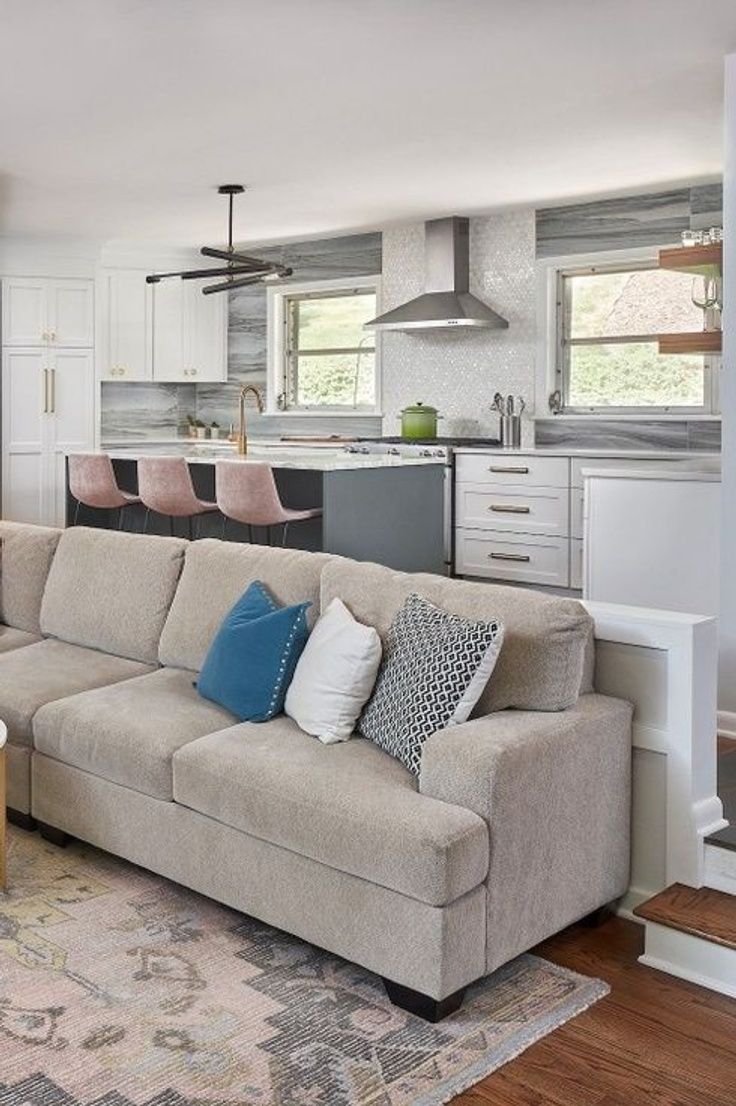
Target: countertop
x=558, y=451
x=317, y=459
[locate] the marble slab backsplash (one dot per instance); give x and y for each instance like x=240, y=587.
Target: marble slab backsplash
x=147, y=410
x=603, y=433
x=627, y=222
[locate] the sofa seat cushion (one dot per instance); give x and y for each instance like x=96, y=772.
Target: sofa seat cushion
x=49, y=670
x=10, y=638
x=350, y=806
x=127, y=733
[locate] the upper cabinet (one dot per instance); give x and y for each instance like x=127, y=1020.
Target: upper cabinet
x=125, y=325
x=43, y=312
x=167, y=332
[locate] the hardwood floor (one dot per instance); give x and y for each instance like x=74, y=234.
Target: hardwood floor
x=654, y=1041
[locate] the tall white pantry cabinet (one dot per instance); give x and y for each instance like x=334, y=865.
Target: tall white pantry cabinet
x=48, y=391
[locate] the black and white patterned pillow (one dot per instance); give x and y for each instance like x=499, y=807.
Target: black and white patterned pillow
x=435, y=666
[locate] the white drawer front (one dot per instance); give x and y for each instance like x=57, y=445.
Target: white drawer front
x=577, y=499
x=523, y=558
x=576, y=563
x=508, y=507
x=500, y=468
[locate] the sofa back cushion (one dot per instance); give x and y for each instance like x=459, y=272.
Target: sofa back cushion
x=27, y=552
x=112, y=591
x=542, y=661
x=215, y=575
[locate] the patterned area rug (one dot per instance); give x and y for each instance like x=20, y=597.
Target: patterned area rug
x=118, y=988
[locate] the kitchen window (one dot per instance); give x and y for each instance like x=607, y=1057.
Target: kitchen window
x=608, y=322
x=322, y=360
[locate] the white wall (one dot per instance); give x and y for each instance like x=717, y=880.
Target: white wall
x=727, y=691
x=459, y=371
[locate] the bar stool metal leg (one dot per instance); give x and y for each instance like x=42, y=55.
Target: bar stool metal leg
x=76, y=512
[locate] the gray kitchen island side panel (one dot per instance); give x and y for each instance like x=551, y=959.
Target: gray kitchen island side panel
x=391, y=516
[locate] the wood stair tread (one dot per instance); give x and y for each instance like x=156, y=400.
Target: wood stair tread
x=702, y=911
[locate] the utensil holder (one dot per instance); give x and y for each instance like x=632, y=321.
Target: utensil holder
x=510, y=431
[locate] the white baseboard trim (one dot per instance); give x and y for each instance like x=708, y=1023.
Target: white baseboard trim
x=688, y=957
x=727, y=723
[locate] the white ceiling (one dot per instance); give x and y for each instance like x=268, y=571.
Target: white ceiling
x=119, y=117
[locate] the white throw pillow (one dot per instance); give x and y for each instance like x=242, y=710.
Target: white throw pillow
x=335, y=675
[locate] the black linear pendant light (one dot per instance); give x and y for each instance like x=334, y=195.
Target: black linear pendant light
x=240, y=269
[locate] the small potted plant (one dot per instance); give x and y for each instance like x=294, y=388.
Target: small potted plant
x=191, y=426
x=200, y=428
x=214, y=430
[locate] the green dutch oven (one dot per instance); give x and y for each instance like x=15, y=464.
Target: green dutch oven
x=419, y=421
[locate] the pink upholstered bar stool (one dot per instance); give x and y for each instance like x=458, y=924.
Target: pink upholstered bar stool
x=165, y=486
x=92, y=483
x=246, y=492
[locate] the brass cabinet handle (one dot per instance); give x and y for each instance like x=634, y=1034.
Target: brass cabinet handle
x=509, y=509
x=519, y=470
x=509, y=557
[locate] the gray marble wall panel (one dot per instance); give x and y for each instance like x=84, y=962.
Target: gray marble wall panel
x=653, y=219
x=604, y=433
x=704, y=435
x=707, y=199
x=142, y=410
x=160, y=410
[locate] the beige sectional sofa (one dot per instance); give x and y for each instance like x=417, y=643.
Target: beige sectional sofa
x=517, y=826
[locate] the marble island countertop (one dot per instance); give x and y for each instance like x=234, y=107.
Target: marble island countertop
x=280, y=455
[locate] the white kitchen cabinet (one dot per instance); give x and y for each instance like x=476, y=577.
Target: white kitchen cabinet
x=520, y=558
x=511, y=507
x=38, y=311
x=189, y=333
x=205, y=334
x=125, y=325
x=166, y=332
x=499, y=468
x=48, y=409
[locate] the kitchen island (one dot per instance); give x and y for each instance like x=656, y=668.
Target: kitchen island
x=380, y=508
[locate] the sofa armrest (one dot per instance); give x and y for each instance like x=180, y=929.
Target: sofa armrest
x=555, y=790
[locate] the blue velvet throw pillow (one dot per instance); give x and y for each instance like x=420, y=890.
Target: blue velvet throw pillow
x=252, y=658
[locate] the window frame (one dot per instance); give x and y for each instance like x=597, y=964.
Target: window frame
x=278, y=313
x=552, y=273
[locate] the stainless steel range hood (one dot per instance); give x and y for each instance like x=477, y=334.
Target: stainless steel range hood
x=447, y=300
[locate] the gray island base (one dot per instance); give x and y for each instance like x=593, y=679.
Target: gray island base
x=392, y=515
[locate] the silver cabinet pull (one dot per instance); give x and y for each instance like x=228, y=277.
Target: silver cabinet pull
x=509, y=509
x=519, y=470
x=45, y=391
x=509, y=557
x=52, y=402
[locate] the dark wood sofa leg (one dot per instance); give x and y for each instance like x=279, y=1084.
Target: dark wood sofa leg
x=18, y=818
x=54, y=835
x=431, y=1009
x=598, y=917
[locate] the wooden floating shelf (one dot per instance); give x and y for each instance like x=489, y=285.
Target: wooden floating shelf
x=698, y=260
x=700, y=341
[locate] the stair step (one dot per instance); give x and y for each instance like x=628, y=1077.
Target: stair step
x=702, y=912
